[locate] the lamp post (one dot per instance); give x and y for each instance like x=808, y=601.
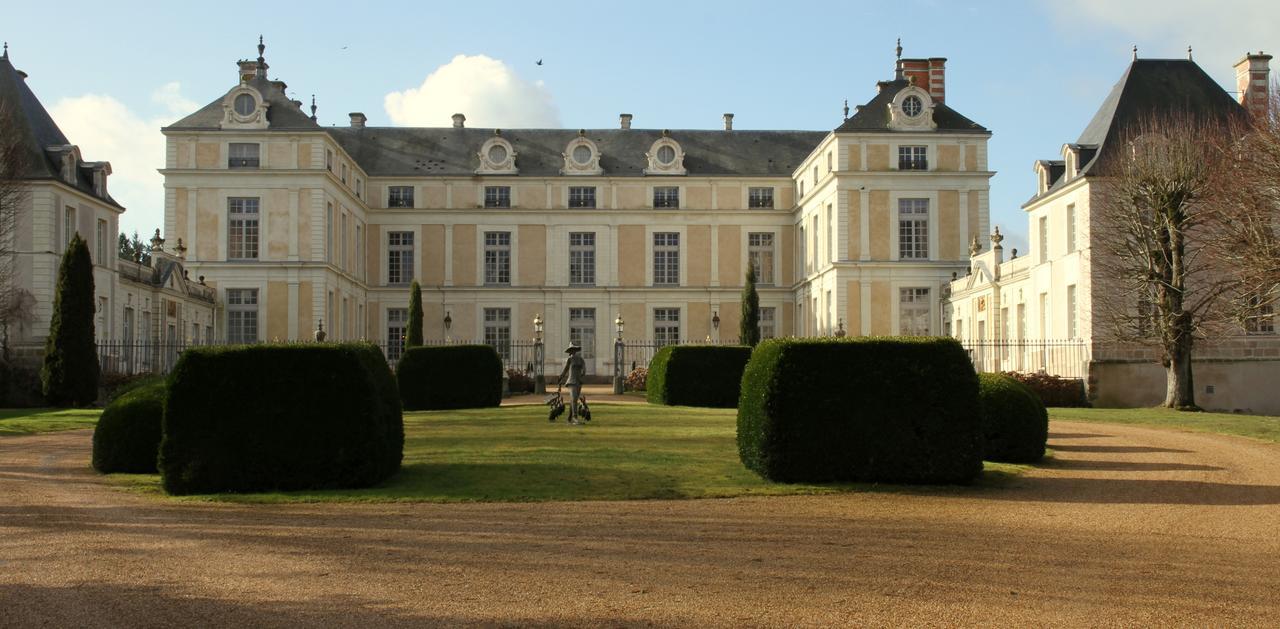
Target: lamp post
x=618, y=351
x=840, y=330
x=539, y=355
x=448, y=323
x=715, y=324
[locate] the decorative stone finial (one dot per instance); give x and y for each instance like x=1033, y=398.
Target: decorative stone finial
x=6, y=51
x=1135, y=52
x=996, y=237
x=1015, y=253
x=975, y=247
x=846, y=109
x=313, y=108
x=1189, y=54
x=582, y=133
x=157, y=243
x=320, y=333
x=898, y=51
x=180, y=250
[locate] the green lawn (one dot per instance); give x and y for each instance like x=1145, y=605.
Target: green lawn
x=1260, y=427
x=513, y=454
x=28, y=421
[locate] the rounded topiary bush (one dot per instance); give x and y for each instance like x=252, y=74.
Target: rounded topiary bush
x=1015, y=424
x=697, y=375
x=127, y=438
x=449, y=377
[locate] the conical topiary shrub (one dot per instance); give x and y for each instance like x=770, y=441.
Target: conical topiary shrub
x=69, y=375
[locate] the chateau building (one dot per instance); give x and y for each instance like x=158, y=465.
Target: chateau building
x=852, y=229
x=65, y=195
x=1051, y=294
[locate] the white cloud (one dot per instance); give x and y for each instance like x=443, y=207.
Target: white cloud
x=487, y=91
x=106, y=130
x=1219, y=32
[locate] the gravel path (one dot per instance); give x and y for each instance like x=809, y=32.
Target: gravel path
x=1128, y=526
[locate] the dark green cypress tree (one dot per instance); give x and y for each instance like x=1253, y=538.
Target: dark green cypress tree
x=413, y=337
x=749, y=326
x=69, y=375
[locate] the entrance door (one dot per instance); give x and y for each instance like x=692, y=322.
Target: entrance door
x=582, y=332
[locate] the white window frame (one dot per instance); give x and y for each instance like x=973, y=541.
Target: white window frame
x=594, y=201
x=396, y=197
x=914, y=302
x=402, y=248
x=497, y=254
x=249, y=218
x=499, y=192
x=101, y=242
x=653, y=197
x=495, y=326
x=582, y=255
x=757, y=248
x=396, y=327
x=667, y=249
x=1071, y=227
x=236, y=305
x=249, y=157
x=758, y=195
x=768, y=323
x=919, y=213
x=661, y=320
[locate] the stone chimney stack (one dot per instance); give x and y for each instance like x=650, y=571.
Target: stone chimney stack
x=1253, y=82
x=247, y=69
x=459, y=121
x=728, y=122
x=358, y=119
x=624, y=121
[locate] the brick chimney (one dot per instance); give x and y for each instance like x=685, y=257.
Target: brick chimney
x=928, y=74
x=1253, y=79
x=459, y=121
x=728, y=122
x=624, y=121
x=357, y=120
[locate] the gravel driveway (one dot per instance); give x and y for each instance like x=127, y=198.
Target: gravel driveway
x=1128, y=526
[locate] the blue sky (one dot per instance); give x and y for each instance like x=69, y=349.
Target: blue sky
x=1033, y=72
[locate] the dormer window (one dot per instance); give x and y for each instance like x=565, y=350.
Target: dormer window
x=245, y=104
x=497, y=157
x=665, y=157
x=581, y=157
x=912, y=106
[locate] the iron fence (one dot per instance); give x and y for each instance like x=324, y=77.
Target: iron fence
x=135, y=358
x=1064, y=358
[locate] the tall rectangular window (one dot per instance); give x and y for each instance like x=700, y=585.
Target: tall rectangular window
x=344, y=262
x=359, y=251
x=666, y=196
x=497, y=331
x=666, y=258
x=397, y=323
x=1044, y=315
x=1044, y=239
x=400, y=196
x=497, y=258
x=1071, y=228
x=100, y=253
x=242, y=315
x=497, y=196
x=760, y=197
x=831, y=232
x=760, y=256
x=666, y=326
x=913, y=311
x=68, y=224
x=913, y=158
x=1262, y=319
x=1071, y=312
x=328, y=160
x=328, y=233
x=242, y=228
x=582, y=258
x=242, y=155
x=582, y=196
x=399, y=257
x=913, y=229
x=768, y=322
x=582, y=332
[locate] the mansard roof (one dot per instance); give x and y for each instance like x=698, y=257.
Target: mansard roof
x=36, y=132
x=282, y=112
x=451, y=151
x=874, y=115
x=1148, y=87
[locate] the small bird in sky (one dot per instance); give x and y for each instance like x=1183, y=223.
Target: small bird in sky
x=344, y=47
x=538, y=62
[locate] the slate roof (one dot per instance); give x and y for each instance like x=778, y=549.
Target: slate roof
x=874, y=116
x=282, y=113
x=36, y=131
x=402, y=151
x=1148, y=87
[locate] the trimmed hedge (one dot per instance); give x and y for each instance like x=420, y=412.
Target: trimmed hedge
x=1015, y=424
x=697, y=375
x=127, y=437
x=280, y=417
x=450, y=376
x=1053, y=390
x=864, y=409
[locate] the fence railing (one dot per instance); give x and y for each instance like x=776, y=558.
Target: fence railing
x=1064, y=358
x=125, y=358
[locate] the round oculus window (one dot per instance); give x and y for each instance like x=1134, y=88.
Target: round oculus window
x=497, y=154
x=582, y=154
x=666, y=155
x=245, y=104
x=912, y=106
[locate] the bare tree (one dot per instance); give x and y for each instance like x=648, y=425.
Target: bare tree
x=1248, y=199
x=1158, y=282
x=16, y=304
